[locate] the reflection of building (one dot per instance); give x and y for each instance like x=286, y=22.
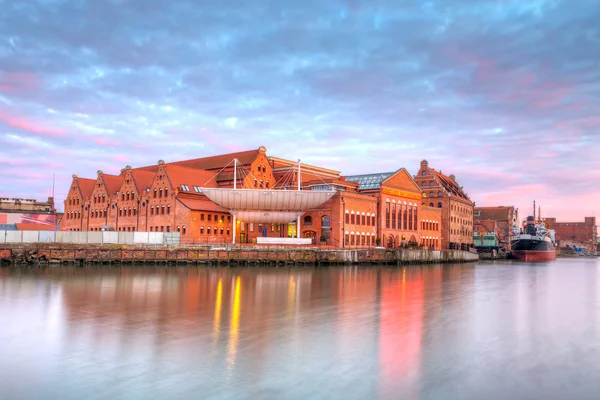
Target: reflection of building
x=26, y=214
x=495, y=222
x=208, y=200
x=581, y=234
x=443, y=192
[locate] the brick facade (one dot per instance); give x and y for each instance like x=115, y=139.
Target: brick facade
x=166, y=197
x=443, y=192
x=585, y=233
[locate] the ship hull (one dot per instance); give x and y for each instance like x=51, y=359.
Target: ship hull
x=534, y=255
x=533, y=250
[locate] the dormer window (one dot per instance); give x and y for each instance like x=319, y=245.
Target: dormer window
x=197, y=189
x=185, y=188
x=424, y=173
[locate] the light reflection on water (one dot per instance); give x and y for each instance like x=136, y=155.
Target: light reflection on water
x=502, y=330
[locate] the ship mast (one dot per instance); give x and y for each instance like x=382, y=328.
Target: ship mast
x=534, y=211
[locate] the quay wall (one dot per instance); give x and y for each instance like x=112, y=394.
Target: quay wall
x=62, y=252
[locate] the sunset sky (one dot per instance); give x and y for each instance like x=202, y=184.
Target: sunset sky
x=505, y=94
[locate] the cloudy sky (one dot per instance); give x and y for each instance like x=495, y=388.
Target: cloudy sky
x=505, y=94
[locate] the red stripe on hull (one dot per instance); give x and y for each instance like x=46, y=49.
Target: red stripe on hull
x=532, y=255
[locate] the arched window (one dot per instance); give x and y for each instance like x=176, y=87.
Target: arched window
x=168, y=209
x=221, y=231
x=132, y=195
x=160, y=192
x=431, y=184
x=128, y=196
x=424, y=173
x=162, y=209
x=155, y=193
x=129, y=212
x=325, y=221
x=430, y=204
x=134, y=211
x=439, y=194
x=152, y=210
x=432, y=194
x=228, y=231
x=208, y=230
x=424, y=184
x=440, y=204
x=308, y=220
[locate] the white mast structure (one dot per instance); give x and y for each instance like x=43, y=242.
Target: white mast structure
x=234, y=189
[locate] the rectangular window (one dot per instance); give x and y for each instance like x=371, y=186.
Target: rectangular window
x=393, y=215
x=210, y=217
x=372, y=220
x=387, y=215
x=169, y=228
x=352, y=221
x=351, y=239
x=363, y=219
x=201, y=217
x=251, y=227
x=347, y=238
x=347, y=218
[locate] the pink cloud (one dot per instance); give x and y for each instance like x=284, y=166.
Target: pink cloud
x=18, y=83
x=29, y=125
x=107, y=143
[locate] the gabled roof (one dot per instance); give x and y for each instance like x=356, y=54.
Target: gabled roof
x=142, y=179
x=369, y=181
x=488, y=225
x=86, y=186
x=449, y=185
x=179, y=175
x=220, y=161
x=494, y=213
x=112, y=182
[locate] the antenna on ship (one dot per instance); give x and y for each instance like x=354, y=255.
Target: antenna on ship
x=534, y=210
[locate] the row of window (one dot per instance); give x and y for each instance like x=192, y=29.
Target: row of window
x=439, y=194
x=159, y=192
x=356, y=219
x=73, y=201
x=405, y=219
x=460, y=221
x=430, y=226
x=217, y=217
x=73, y=215
x=126, y=196
x=160, y=210
x=426, y=184
x=463, y=232
x=98, y=214
x=99, y=199
x=214, y=230
x=438, y=204
x=464, y=210
x=358, y=239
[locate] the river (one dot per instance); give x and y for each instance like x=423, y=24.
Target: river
x=495, y=330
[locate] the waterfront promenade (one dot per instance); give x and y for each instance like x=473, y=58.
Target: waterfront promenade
x=225, y=255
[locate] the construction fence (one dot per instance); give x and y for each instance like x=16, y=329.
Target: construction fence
x=89, y=237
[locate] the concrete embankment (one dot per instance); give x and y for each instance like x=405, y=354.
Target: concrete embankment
x=33, y=253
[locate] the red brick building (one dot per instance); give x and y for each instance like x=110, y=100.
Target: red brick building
x=366, y=210
x=583, y=233
x=497, y=220
x=443, y=192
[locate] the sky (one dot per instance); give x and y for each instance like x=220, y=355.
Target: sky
x=504, y=94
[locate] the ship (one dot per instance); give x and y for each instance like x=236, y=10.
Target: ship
x=533, y=242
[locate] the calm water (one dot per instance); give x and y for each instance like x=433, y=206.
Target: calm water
x=485, y=331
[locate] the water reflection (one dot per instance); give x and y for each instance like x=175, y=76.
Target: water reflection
x=463, y=331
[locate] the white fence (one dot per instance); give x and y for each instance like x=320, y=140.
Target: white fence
x=280, y=240
x=89, y=237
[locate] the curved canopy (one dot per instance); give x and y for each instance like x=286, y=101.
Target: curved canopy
x=267, y=200
x=267, y=217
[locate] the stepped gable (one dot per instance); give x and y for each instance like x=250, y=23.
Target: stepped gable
x=449, y=185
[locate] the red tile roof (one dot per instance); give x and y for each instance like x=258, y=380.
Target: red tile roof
x=450, y=185
x=112, y=182
x=494, y=213
x=86, y=186
x=488, y=225
x=201, y=204
x=179, y=175
x=142, y=179
x=220, y=161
